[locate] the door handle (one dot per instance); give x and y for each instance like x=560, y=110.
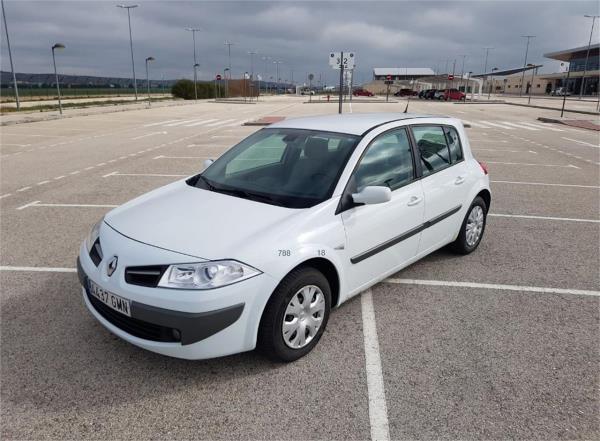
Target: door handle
x=459, y=180
x=414, y=200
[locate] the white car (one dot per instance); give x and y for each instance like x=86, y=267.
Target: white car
x=294, y=220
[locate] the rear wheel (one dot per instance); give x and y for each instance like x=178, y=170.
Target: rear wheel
x=472, y=228
x=296, y=315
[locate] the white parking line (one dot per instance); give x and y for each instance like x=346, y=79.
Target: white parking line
x=378, y=416
x=536, y=165
x=498, y=125
x=544, y=184
x=542, y=126
x=5, y=195
x=149, y=134
x=200, y=123
x=582, y=142
x=519, y=126
x=179, y=123
x=23, y=189
x=506, y=151
x=39, y=269
x=540, y=289
x=40, y=204
x=162, y=122
x=180, y=157
x=116, y=173
x=526, y=216
x=219, y=123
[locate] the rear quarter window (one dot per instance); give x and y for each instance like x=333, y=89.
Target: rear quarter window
x=454, y=144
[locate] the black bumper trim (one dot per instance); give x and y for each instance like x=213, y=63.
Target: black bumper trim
x=193, y=327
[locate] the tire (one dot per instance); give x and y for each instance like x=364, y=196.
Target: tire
x=271, y=339
x=465, y=243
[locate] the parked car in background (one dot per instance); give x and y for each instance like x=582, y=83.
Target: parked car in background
x=438, y=95
x=256, y=250
x=406, y=92
x=560, y=91
x=362, y=92
x=430, y=94
x=454, y=94
x=423, y=93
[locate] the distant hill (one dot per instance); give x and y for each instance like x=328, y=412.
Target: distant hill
x=47, y=79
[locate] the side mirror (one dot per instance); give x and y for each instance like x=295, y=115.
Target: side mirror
x=207, y=163
x=372, y=195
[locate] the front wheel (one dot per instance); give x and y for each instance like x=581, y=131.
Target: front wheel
x=472, y=228
x=295, y=316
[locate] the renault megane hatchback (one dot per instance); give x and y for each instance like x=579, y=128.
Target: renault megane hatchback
x=291, y=222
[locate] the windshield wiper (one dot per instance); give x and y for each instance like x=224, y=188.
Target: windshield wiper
x=245, y=194
x=207, y=183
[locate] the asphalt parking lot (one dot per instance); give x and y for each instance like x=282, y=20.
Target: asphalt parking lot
x=499, y=344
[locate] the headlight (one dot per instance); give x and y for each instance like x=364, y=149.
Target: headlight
x=206, y=275
x=93, y=235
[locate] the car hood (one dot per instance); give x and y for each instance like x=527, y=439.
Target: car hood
x=196, y=222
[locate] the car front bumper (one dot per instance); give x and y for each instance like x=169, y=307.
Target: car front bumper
x=190, y=324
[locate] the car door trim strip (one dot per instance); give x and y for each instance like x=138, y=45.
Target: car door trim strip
x=406, y=235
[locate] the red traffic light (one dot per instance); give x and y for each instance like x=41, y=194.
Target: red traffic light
x=218, y=77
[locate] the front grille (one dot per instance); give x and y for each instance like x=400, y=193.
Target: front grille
x=145, y=275
x=96, y=253
x=135, y=327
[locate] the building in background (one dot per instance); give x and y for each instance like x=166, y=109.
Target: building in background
x=401, y=73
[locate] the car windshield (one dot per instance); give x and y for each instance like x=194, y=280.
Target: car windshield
x=287, y=167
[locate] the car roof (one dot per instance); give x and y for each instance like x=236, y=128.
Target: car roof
x=351, y=123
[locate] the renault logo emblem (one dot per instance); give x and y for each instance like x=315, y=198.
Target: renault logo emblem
x=112, y=266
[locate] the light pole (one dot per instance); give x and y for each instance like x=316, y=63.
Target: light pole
x=196, y=66
x=12, y=68
x=529, y=37
x=225, y=71
x=252, y=54
x=562, y=110
x=129, y=7
x=487, y=50
x=587, y=56
x=193, y=31
x=531, y=86
x=265, y=72
x=228, y=44
x=467, y=87
x=277, y=63
x=491, y=85
x=148, y=79
x=57, y=46
x=462, y=71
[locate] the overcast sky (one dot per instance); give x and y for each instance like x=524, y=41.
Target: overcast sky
x=299, y=33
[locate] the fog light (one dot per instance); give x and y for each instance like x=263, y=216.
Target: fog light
x=176, y=334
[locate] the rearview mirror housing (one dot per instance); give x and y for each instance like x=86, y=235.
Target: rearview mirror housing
x=372, y=195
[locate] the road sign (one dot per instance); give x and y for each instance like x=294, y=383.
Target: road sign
x=450, y=77
x=218, y=77
x=335, y=60
x=389, y=77
x=311, y=77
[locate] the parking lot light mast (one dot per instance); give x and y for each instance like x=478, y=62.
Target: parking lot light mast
x=531, y=87
x=193, y=31
x=529, y=37
x=129, y=7
x=462, y=71
x=57, y=46
x=12, y=68
x=492, y=84
x=266, y=72
x=277, y=63
x=487, y=51
x=148, y=79
x=587, y=56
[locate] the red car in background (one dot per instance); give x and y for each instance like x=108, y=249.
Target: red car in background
x=362, y=92
x=454, y=94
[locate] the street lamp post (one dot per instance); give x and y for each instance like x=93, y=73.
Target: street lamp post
x=467, y=87
x=566, y=89
x=129, y=7
x=462, y=71
x=148, y=79
x=228, y=44
x=193, y=31
x=265, y=73
x=587, y=56
x=57, y=46
x=531, y=86
x=491, y=85
x=196, y=66
x=277, y=63
x=487, y=50
x=252, y=54
x=12, y=68
x=529, y=37
x=225, y=71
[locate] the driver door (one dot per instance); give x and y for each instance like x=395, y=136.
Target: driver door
x=381, y=237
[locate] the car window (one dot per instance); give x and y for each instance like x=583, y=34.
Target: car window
x=454, y=145
x=267, y=151
x=433, y=150
x=387, y=162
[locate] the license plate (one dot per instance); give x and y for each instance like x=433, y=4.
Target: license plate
x=111, y=300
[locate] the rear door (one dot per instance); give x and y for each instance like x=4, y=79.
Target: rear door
x=445, y=180
x=382, y=237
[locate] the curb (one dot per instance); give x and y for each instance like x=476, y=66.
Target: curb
x=584, y=112
x=560, y=121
